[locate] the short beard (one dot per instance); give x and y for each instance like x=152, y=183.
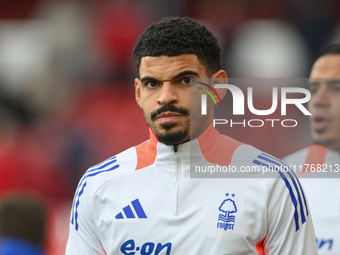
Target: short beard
x=171, y=137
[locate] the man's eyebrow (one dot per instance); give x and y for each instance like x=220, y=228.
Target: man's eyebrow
x=184, y=73
x=333, y=81
x=329, y=81
x=181, y=74
x=149, y=78
x=313, y=82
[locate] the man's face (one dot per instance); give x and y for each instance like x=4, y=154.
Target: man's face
x=325, y=101
x=163, y=92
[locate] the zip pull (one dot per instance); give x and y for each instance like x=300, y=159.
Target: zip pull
x=175, y=147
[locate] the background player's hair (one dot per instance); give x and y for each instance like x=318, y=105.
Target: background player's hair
x=332, y=49
x=174, y=36
x=23, y=216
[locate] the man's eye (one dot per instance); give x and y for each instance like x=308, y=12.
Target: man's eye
x=185, y=80
x=313, y=89
x=150, y=84
x=336, y=88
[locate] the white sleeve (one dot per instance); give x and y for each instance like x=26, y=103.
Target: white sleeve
x=290, y=226
x=288, y=222
x=83, y=236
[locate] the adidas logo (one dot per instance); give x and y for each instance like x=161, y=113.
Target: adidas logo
x=129, y=213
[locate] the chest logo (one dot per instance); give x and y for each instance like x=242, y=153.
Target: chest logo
x=130, y=214
x=226, y=219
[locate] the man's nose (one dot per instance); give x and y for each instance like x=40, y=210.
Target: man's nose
x=168, y=94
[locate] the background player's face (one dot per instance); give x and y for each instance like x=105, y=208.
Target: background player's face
x=163, y=92
x=325, y=101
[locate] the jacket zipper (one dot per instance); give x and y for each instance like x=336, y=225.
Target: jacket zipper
x=177, y=184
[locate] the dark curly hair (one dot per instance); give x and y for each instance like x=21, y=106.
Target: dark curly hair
x=174, y=36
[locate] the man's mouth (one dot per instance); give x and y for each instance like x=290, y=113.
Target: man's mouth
x=168, y=116
x=169, y=113
x=320, y=122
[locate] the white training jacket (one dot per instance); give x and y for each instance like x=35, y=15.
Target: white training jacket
x=319, y=171
x=143, y=201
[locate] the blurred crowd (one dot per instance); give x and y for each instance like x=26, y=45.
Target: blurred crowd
x=67, y=78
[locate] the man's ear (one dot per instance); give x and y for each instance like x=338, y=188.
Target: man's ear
x=219, y=77
x=138, y=92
